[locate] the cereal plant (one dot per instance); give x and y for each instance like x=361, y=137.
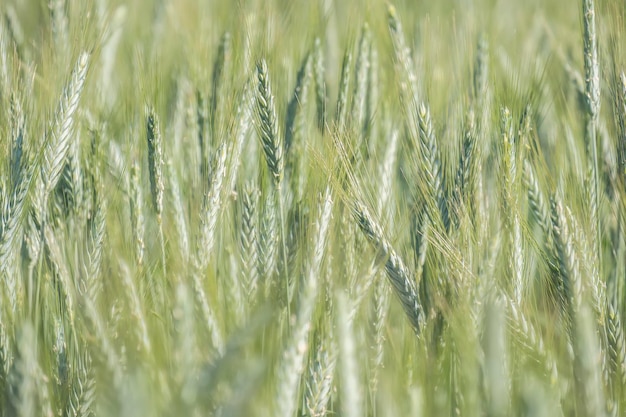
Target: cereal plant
x=312, y=208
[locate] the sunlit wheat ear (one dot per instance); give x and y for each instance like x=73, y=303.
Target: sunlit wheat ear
x=537, y=199
x=141, y=329
x=511, y=212
x=531, y=339
x=397, y=272
x=179, y=213
x=320, y=379
x=408, y=82
x=64, y=283
x=387, y=177
x=268, y=124
x=379, y=320
x=567, y=260
x=83, y=395
x=592, y=103
x=292, y=365
x=430, y=166
x=211, y=207
x=242, y=131
x=208, y=315
x=57, y=139
x=250, y=240
x=136, y=213
x=616, y=345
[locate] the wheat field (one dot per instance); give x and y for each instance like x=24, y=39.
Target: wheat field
x=312, y=208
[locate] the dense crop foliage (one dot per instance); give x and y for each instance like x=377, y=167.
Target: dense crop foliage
x=285, y=208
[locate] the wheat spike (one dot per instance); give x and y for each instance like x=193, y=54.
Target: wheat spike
x=268, y=124
x=397, y=272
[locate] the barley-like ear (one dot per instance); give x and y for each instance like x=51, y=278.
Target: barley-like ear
x=268, y=124
x=397, y=272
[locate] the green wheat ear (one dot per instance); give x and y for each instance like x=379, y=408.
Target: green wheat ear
x=268, y=124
